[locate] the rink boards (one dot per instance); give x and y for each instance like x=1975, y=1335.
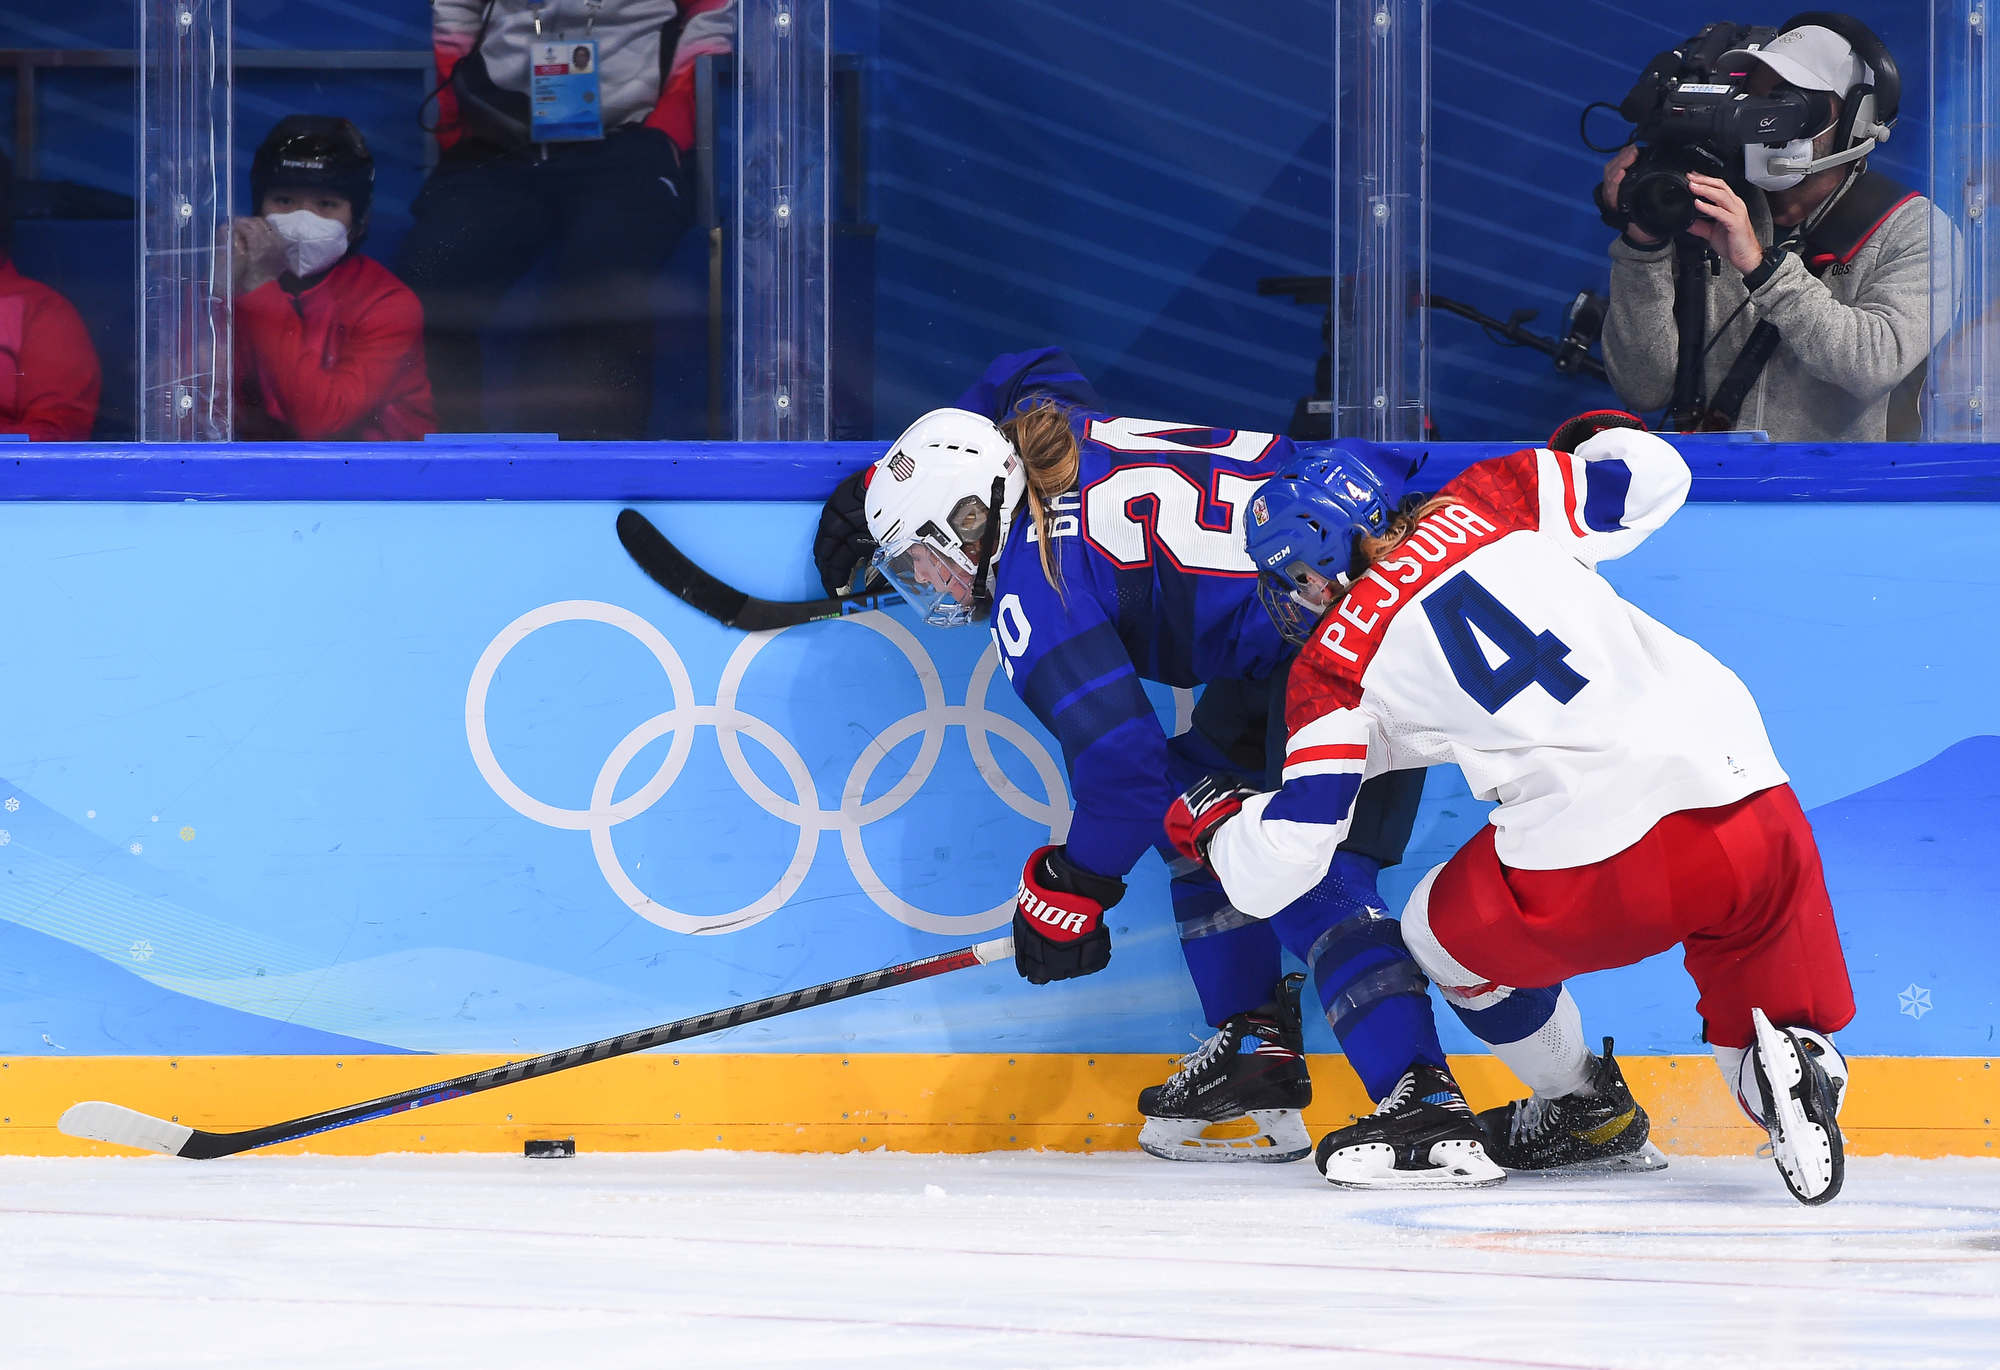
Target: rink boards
x=307, y=801
x=975, y=1102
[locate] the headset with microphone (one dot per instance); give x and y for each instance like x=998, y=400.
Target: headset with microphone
x=1867, y=109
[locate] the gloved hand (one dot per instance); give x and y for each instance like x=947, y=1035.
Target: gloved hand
x=842, y=542
x=1059, y=930
x=1575, y=432
x=257, y=253
x=1193, y=818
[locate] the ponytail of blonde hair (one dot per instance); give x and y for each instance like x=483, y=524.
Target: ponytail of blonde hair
x=1051, y=458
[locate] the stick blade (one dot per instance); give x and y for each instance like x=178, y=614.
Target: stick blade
x=97, y=1121
x=671, y=570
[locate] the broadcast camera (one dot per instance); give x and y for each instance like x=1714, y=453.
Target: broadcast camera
x=1690, y=112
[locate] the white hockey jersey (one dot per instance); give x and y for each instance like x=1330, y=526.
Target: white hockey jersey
x=1488, y=641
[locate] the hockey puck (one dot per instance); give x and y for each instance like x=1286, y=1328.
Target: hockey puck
x=547, y=1148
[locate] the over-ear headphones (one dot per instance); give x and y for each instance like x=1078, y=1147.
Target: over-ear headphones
x=1867, y=111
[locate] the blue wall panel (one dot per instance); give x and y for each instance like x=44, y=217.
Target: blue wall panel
x=242, y=811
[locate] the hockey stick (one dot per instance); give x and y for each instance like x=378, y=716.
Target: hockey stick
x=670, y=568
x=101, y=1122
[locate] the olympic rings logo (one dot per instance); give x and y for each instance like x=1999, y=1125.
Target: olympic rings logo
x=731, y=725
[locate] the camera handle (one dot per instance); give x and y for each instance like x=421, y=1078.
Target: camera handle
x=1691, y=262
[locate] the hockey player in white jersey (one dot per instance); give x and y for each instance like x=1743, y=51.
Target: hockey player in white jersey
x=1639, y=805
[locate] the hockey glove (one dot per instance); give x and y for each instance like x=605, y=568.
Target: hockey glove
x=1575, y=432
x=842, y=542
x=1193, y=818
x=1059, y=930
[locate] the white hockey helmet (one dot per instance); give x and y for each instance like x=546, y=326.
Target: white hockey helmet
x=939, y=504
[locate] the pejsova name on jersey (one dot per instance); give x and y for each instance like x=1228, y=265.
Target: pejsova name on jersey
x=1442, y=538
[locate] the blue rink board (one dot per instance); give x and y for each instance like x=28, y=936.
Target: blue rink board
x=242, y=814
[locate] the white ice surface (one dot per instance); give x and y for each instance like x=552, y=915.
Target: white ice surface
x=704, y=1260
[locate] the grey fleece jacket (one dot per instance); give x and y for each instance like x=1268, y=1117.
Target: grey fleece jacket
x=1848, y=340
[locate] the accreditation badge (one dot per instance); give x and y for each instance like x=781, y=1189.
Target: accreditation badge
x=562, y=91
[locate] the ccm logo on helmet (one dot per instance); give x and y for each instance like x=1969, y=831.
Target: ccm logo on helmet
x=1051, y=916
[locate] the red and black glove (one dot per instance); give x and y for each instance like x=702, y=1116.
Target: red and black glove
x=1193, y=818
x=1059, y=930
x=1575, y=432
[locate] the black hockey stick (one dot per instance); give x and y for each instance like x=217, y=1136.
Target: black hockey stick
x=670, y=569
x=101, y=1122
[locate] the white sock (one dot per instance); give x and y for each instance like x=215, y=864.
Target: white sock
x=1552, y=1060
x=1739, y=1078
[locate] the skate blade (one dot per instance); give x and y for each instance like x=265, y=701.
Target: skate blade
x=1372, y=1165
x=1266, y=1135
x=1808, y=1153
x=1647, y=1158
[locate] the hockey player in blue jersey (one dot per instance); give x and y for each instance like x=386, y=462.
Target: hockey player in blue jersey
x=1102, y=551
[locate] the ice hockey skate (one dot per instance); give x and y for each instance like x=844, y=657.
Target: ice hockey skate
x=1423, y=1136
x=1801, y=1079
x=1599, y=1128
x=1237, y=1096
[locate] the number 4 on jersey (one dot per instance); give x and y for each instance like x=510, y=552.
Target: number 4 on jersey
x=1461, y=604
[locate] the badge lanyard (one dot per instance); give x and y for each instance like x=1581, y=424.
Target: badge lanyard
x=562, y=83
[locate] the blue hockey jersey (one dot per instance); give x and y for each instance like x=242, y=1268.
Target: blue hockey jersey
x=1153, y=584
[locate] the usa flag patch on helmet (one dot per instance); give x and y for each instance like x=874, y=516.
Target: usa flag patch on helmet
x=902, y=465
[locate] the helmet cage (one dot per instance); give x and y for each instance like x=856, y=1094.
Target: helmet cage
x=1280, y=598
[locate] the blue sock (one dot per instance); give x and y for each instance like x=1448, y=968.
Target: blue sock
x=1374, y=996
x=1520, y=1014
x=1234, y=960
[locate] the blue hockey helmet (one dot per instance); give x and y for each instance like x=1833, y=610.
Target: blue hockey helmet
x=1307, y=518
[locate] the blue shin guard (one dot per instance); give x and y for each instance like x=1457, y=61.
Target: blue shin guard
x=1371, y=991
x=1234, y=960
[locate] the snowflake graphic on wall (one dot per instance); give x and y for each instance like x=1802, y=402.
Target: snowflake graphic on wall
x=1915, y=1001
x=136, y=848
x=5, y=837
x=13, y=804
x=142, y=950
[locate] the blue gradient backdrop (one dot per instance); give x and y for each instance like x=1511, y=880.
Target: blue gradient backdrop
x=241, y=813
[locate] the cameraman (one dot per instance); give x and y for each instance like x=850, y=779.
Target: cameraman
x=1836, y=258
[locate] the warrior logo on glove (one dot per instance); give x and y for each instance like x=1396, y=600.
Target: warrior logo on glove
x=1059, y=931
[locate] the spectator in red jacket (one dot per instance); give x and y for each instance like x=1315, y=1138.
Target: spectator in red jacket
x=329, y=344
x=49, y=376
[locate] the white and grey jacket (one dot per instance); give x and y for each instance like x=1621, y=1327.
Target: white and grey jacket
x=1850, y=336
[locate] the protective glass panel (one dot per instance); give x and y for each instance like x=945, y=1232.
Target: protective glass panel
x=185, y=361
x=781, y=220
x=68, y=226
x=1519, y=254
x=1148, y=185
x=1381, y=208
x=1965, y=100
x=388, y=228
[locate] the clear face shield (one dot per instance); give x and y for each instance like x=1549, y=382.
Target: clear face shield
x=935, y=568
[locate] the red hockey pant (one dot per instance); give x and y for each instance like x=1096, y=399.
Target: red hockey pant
x=1738, y=887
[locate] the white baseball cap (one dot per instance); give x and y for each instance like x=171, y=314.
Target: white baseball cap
x=1811, y=58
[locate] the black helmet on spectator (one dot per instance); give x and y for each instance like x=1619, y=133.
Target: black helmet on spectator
x=315, y=152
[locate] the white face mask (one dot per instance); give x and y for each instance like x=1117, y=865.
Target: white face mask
x=312, y=243
x=1757, y=161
